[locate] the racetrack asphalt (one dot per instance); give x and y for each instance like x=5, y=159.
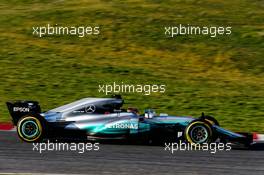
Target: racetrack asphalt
x=19, y=157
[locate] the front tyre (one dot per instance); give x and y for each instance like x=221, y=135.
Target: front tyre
x=30, y=129
x=198, y=132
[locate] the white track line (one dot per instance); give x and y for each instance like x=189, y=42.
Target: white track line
x=36, y=174
x=10, y=130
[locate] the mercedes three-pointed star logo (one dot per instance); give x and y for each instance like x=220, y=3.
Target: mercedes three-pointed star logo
x=90, y=109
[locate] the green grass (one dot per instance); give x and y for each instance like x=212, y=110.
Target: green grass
x=221, y=76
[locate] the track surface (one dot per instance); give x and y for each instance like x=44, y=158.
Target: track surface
x=18, y=157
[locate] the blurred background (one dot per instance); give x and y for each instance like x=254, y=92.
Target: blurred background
x=222, y=76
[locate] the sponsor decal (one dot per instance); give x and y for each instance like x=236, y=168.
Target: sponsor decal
x=20, y=109
x=122, y=126
x=90, y=109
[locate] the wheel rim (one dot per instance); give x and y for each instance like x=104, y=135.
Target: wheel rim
x=199, y=134
x=30, y=129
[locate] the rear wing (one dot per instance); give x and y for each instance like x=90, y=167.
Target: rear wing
x=18, y=109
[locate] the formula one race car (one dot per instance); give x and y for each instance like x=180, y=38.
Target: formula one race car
x=103, y=119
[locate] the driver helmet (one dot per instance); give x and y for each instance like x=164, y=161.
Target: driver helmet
x=133, y=110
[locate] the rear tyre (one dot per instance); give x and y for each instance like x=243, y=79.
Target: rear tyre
x=30, y=129
x=198, y=132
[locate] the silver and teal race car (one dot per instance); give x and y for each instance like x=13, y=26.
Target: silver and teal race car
x=104, y=119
